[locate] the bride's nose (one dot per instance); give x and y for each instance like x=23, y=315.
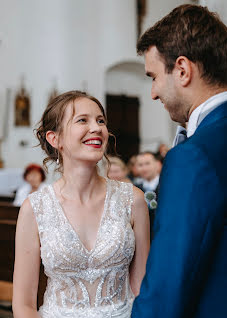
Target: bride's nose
x=95, y=127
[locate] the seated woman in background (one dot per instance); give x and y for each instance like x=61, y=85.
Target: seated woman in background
x=34, y=176
x=117, y=169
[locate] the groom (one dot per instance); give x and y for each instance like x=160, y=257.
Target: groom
x=186, y=59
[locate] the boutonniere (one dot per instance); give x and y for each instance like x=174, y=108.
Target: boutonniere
x=150, y=198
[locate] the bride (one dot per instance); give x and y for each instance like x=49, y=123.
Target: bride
x=91, y=233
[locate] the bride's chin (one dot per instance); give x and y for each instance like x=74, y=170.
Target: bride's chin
x=94, y=161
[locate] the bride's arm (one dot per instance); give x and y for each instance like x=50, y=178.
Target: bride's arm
x=141, y=228
x=27, y=264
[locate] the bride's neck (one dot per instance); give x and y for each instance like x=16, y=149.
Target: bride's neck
x=79, y=182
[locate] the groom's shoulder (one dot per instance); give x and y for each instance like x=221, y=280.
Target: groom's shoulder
x=207, y=140
x=211, y=141
x=184, y=154
x=206, y=148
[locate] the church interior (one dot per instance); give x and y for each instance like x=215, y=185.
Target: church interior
x=48, y=47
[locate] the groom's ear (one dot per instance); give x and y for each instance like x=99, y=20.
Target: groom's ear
x=184, y=70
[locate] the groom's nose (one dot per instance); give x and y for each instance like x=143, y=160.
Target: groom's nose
x=154, y=94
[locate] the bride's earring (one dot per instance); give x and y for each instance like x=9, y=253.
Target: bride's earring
x=57, y=161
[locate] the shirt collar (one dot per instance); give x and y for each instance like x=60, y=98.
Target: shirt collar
x=151, y=185
x=203, y=110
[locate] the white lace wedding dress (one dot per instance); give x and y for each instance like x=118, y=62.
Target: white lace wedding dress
x=82, y=283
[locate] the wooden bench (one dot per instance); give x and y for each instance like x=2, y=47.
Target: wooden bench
x=8, y=211
x=8, y=220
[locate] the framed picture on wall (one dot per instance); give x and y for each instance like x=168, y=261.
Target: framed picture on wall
x=22, y=108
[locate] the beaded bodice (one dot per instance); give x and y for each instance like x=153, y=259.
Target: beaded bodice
x=84, y=283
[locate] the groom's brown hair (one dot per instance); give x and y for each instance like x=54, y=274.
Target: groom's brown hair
x=195, y=32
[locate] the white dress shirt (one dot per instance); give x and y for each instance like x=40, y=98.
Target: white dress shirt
x=151, y=185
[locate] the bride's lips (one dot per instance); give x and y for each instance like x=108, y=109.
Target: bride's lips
x=94, y=142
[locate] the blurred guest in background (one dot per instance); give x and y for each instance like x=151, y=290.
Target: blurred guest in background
x=149, y=168
x=160, y=160
x=163, y=149
x=133, y=173
x=34, y=177
x=118, y=169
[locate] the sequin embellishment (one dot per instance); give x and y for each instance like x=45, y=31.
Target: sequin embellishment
x=82, y=283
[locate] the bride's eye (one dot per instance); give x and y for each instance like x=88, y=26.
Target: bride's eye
x=101, y=121
x=81, y=120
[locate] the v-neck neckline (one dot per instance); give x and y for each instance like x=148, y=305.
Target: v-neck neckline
x=73, y=230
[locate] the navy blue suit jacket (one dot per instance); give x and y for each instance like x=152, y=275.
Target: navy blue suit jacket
x=187, y=266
